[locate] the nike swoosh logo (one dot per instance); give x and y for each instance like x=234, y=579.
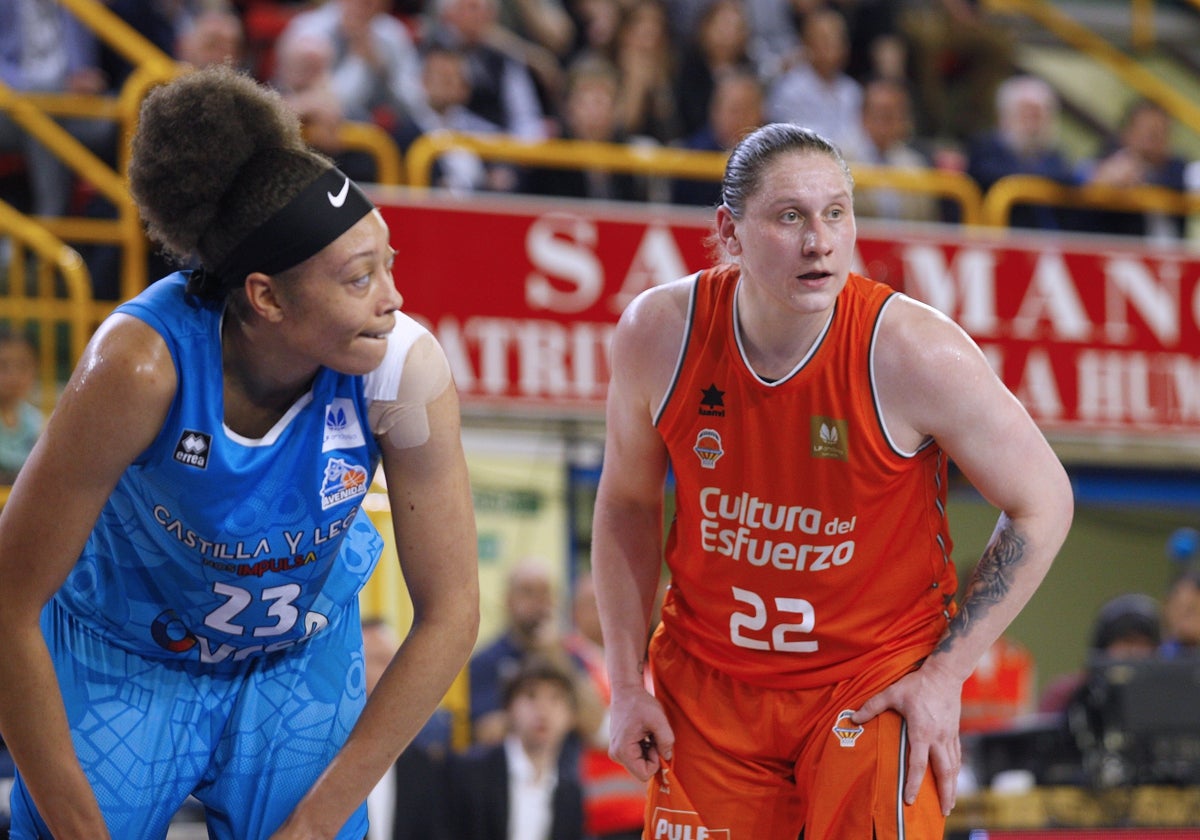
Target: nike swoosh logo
x=339, y=199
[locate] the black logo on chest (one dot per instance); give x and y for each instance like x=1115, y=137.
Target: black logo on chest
x=193, y=448
x=712, y=404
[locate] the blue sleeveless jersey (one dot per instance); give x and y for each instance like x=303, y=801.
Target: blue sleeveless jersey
x=213, y=548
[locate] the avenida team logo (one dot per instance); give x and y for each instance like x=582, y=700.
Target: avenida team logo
x=343, y=480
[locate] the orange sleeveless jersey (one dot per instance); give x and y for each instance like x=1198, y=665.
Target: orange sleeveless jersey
x=805, y=548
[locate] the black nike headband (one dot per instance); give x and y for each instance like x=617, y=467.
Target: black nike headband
x=319, y=214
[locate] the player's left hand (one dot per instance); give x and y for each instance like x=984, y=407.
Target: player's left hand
x=930, y=701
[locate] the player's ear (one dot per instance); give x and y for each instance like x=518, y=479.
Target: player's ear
x=727, y=231
x=262, y=294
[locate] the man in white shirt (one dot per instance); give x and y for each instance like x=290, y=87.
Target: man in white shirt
x=527, y=787
x=376, y=66
x=817, y=93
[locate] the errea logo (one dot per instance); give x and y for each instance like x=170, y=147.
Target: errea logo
x=829, y=438
x=193, y=448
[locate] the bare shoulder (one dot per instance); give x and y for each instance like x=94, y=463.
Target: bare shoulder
x=917, y=343
x=656, y=318
x=124, y=382
x=128, y=350
x=929, y=374
x=111, y=409
x=648, y=339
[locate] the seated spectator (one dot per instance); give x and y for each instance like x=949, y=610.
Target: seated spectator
x=544, y=23
x=303, y=75
x=878, y=47
x=502, y=86
x=1025, y=142
x=960, y=56
x=20, y=421
x=588, y=113
x=719, y=46
x=596, y=25
x=773, y=27
x=45, y=49
x=887, y=130
x=1181, y=615
x=447, y=92
x=525, y=786
x=1126, y=627
x=1142, y=156
x=645, y=59
x=817, y=93
x=215, y=36
x=735, y=109
x=529, y=606
x=161, y=24
x=376, y=69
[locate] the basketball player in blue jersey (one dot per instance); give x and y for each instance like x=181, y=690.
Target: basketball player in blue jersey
x=181, y=557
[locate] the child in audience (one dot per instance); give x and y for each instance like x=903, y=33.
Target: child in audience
x=20, y=420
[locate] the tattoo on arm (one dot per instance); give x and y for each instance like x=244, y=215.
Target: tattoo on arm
x=990, y=583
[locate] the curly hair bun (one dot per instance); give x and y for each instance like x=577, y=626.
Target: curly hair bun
x=197, y=134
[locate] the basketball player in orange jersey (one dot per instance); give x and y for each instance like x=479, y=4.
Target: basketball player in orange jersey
x=808, y=667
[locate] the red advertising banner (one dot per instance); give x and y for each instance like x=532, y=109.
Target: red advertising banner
x=1097, y=337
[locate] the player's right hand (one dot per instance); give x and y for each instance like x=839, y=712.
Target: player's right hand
x=640, y=734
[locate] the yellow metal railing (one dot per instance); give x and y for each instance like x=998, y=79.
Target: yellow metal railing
x=34, y=113
x=120, y=36
x=1011, y=190
x=993, y=208
x=1141, y=22
x=660, y=161
x=1080, y=37
x=46, y=285
x=370, y=138
x=955, y=186
x=1142, y=26
x=563, y=154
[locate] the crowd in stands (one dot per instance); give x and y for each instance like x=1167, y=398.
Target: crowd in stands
x=537, y=764
x=916, y=84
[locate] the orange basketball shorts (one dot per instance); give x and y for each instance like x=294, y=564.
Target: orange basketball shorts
x=753, y=763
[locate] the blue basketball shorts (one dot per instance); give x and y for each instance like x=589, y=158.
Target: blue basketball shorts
x=247, y=741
